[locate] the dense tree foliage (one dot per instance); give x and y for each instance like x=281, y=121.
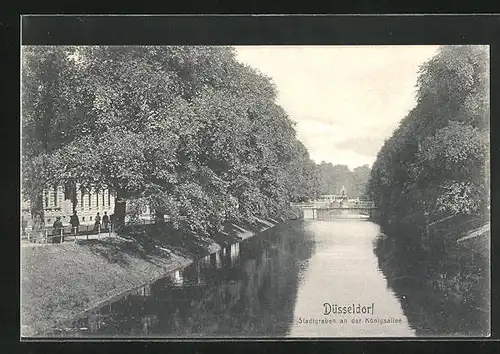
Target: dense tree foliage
x=437, y=160
x=189, y=131
x=52, y=117
x=333, y=177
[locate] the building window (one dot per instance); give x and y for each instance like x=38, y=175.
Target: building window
x=90, y=201
x=91, y=218
x=55, y=196
x=83, y=218
x=97, y=199
x=81, y=201
x=109, y=198
x=46, y=199
x=49, y=220
x=103, y=199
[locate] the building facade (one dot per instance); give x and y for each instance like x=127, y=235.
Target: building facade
x=88, y=204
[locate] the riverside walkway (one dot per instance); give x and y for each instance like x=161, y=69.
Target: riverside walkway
x=51, y=236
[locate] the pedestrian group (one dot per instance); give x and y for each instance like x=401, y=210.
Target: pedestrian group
x=100, y=224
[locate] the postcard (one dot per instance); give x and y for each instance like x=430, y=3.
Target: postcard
x=255, y=191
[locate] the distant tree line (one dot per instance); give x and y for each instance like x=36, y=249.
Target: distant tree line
x=332, y=178
x=188, y=131
x=437, y=160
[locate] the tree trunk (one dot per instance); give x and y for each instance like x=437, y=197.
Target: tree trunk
x=37, y=211
x=159, y=217
x=74, y=198
x=120, y=208
x=70, y=192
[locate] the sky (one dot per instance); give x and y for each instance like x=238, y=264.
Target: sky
x=346, y=100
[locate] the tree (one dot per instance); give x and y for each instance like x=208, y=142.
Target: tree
x=188, y=131
x=334, y=177
x=51, y=117
x=360, y=176
x=436, y=161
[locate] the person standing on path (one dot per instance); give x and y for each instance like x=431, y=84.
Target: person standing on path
x=97, y=223
x=105, y=221
x=57, y=226
x=75, y=222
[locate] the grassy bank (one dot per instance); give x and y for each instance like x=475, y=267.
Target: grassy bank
x=61, y=281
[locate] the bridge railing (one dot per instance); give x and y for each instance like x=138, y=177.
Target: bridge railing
x=303, y=205
x=336, y=204
x=366, y=204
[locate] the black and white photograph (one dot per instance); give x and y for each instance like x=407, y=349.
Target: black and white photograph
x=255, y=191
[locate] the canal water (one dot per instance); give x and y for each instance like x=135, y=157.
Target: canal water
x=275, y=284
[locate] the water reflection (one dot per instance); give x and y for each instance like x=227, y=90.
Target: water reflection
x=442, y=293
x=144, y=290
x=343, y=271
x=178, y=278
x=264, y=286
x=215, y=259
x=275, y=285
x=246, y=289
x=148, y=321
